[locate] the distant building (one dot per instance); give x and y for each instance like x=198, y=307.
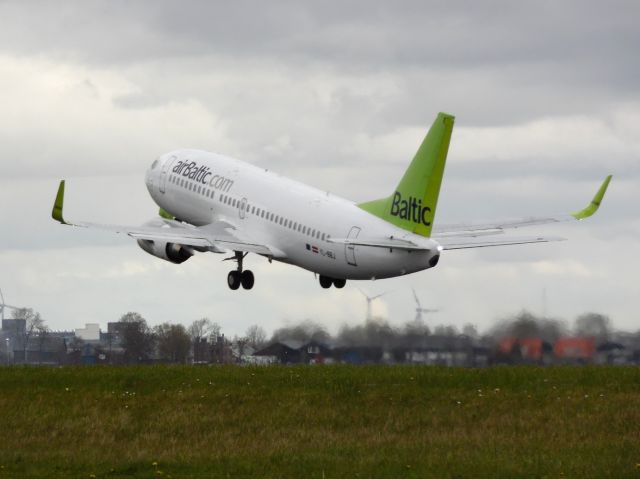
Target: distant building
x=14, y=326
x=523, y=350
x=315, y=352
x=358, y=354
x=44, y=349
x=283, y=352
x=612, y=353
x=441, y=350
x=578, y=350
x=91, y=332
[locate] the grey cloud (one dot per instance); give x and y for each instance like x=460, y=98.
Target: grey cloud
x=361, y=34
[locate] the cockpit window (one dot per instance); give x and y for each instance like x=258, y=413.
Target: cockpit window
x=155, y=163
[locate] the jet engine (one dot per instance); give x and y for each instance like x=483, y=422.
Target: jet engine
x=175, y=253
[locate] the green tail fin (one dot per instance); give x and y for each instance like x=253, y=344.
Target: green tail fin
x=413, y=204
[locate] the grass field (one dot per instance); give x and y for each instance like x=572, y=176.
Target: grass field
x=319, y=422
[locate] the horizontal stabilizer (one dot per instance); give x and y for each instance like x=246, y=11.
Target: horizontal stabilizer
x=380, y=243
x=462, y=243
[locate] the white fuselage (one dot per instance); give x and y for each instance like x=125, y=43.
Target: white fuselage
x=293, y=219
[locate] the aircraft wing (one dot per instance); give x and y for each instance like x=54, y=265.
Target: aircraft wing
x=454, y=234
x=217, y=236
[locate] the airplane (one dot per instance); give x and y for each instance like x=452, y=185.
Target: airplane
x=213, y=203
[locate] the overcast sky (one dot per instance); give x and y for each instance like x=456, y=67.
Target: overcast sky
x=338, y=95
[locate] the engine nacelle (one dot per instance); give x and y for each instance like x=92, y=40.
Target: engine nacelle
x=175, y=253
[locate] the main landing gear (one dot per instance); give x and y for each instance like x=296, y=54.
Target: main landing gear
x=326, y=282
x=239, y=277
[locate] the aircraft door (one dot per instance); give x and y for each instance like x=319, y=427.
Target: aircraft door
x=165, y=173
x=242, y=208
x=350, y=250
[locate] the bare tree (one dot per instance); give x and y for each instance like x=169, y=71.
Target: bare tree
x=377, y=333
x=470, y=330
x=173, y=342
x=215, y=331
x=594, y=324
x=445, y=330
x=137, y=339
x=256, y=336
x=33, y=322
x=305, y=331
x=200, y=328
x=199, y=331
x=413, y=333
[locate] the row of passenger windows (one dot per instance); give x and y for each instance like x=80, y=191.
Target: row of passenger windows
x=201, y=190
x=251, y=209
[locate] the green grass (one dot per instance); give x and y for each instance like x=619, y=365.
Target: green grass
x=320, y=422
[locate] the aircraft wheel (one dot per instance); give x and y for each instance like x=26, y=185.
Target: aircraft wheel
x=233, y=279
x=339, y=283
x=325, y=282
x=247, y=279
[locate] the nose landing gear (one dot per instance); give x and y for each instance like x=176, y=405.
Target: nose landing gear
x=238, y=277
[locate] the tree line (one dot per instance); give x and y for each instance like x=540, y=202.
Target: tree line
x=176, y=343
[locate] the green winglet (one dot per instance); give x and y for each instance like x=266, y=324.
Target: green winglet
x=166, y=215
x=56, y=213
x=595, y=202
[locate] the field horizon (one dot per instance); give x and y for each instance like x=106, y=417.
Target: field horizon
x=319, y=422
